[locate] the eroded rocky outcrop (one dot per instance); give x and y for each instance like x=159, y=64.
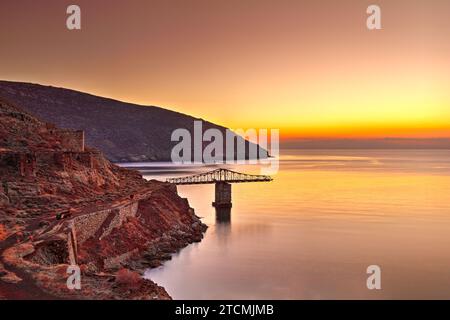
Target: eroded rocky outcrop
x=62, y=204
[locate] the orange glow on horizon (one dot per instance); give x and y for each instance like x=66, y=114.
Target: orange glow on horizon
x=308, y=68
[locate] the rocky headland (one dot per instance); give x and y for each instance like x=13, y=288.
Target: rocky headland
x=62, y=204
x=124, y=132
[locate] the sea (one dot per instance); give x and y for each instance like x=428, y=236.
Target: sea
x=318, y=229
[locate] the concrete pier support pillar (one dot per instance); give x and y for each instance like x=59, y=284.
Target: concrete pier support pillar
x=223, y=195
x=223, y=215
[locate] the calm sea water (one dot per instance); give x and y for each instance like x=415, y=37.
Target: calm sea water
x=314, y=230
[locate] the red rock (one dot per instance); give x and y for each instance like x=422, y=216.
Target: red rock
x=65, y=203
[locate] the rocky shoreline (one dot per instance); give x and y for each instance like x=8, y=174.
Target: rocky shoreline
x=62, y=204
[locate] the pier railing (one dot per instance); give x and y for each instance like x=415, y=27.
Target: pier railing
x=219, y=175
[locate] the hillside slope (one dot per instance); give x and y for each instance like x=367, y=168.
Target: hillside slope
x=122, y=131
x=62, y=203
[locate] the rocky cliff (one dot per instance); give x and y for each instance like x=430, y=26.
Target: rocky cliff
x=122, y=131
x=62, y=203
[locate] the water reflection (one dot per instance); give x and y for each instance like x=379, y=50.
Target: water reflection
x=223, y=216
x=312, y=232
x=223, y=225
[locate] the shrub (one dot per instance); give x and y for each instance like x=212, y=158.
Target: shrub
x=128, y=278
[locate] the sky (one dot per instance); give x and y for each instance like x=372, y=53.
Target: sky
x=309, y=68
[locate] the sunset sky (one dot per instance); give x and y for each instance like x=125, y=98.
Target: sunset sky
x=310, y=68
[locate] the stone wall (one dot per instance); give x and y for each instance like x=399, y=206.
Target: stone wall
x=101, y=223
x=22, y=163
x=120, y=216
x=64, y=159
x=26, y=163
x=84, y=158
x=87, y=225
x=71, y=140
x=72, y=245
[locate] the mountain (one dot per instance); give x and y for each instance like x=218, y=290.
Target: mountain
x=62, y=203
x=122, y=131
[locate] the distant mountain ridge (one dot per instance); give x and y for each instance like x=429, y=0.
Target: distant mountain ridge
x=122, y=131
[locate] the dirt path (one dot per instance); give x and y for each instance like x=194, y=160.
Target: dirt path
x=25, y=289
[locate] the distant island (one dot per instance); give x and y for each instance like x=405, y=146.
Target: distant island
x=124, y=132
